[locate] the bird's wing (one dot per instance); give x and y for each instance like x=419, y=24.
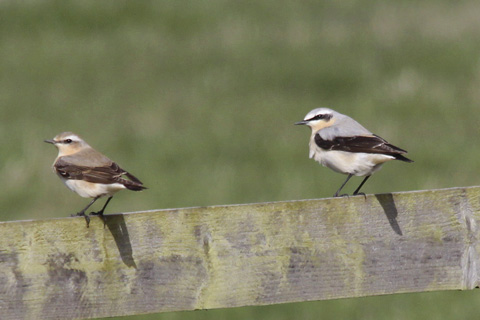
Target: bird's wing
x=365, y=144
x=108, y=174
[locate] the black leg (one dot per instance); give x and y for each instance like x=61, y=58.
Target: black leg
x=82, y=213
x=100, y=213
x=338, y=191
x=358, y=189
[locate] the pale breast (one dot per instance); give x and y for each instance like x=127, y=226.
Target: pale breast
x=92, y=190
x=358, y=164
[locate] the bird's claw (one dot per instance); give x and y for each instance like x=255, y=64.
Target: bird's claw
x=82, y=214
x=361, y=194
x=341, y=196
x=100, y=214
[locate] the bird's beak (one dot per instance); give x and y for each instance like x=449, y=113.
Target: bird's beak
x=50, y=141
x=300, y=122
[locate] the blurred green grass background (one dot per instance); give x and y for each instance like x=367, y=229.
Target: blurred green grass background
x=198, y=99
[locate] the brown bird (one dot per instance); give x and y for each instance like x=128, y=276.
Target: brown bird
x=89, y=173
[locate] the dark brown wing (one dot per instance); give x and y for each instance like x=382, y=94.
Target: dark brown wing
x=106, y=174
x=365, y=144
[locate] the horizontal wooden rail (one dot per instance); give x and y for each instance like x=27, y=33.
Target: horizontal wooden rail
x=239, y=255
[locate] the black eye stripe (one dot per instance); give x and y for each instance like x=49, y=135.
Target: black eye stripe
x=321, y=116
x=67, y=141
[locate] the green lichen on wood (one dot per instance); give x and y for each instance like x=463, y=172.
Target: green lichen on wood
x=227, y=256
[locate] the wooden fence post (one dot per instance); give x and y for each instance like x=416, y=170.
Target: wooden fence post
x=239, y=255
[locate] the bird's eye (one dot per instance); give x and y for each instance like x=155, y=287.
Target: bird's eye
x=68, y=141
x=318, y=117
x=324, y=116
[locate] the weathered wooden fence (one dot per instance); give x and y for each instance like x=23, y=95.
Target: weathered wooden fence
x=240, y=255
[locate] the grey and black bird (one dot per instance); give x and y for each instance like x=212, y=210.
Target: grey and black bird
x=342, y=144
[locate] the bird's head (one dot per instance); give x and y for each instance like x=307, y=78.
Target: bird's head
x=319, y=118
x=67, y=143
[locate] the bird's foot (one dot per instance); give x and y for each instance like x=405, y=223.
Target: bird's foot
x=360, y=194
x=82, y=214
x=100, y=214
x=341, y=196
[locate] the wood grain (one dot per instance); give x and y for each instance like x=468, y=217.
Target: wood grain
x=239, y=255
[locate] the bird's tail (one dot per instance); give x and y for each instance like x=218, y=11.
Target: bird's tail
x=132, y=185
x=133, y=178
x=402, y=158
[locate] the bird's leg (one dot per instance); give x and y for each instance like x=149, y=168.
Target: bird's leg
x=338, y=191
x=358, y=189
x=82, y=213
x=100, y=213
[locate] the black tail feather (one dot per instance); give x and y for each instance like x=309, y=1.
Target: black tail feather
x=402, y=158
x=132, y=185
x=132, y=177
x=135, y=187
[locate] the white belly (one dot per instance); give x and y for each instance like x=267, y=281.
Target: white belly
x=92, y=190
x=358, y=164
